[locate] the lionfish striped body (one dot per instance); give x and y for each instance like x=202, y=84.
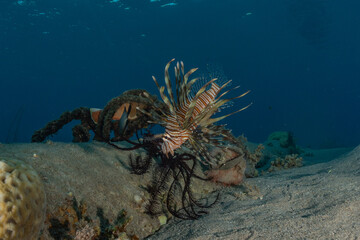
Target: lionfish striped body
x=190, y=112
x=175, y=133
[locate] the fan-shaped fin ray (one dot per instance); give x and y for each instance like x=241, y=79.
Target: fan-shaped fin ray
x=192, y=105
x=210, y=121
x=168, y=83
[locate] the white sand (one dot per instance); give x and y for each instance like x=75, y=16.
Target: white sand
x=320, y=201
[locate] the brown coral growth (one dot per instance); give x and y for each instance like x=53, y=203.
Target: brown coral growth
x=290, y=161
x=70, y=221
x=122, y=115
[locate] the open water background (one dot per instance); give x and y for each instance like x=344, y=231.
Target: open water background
x=300, y=58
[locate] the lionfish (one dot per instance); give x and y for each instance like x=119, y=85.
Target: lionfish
x=189, y=115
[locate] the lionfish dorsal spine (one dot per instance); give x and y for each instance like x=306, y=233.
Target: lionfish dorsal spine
x=178, y=82
x=168, y=83
x=166, y=100
x=189, y=111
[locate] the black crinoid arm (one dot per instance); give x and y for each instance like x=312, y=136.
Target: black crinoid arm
x=172, y=186
x=188, y=120
x=140, y=164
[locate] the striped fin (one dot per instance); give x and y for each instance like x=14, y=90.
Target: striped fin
x=213, y=120
x=222, y=87
x=220, y=102
x=206, y=98
x=166, y=100
x=178, y=81
x=188, y=109
x=152, y=101
x=192, y=105
x=224, y=93
x=204, y=116
x=208, y=111
x=186, y=79
x=186, y=76
x=185, y=87
x=186, y=92
x=168, y=83
x=205, y=119
x=163, y=96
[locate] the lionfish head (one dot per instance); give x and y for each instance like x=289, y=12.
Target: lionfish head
x=189, y=112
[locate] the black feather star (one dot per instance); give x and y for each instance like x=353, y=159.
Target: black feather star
x=187, y=119
x=171, y=180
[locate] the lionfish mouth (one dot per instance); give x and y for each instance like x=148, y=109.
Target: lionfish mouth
x=190, y=110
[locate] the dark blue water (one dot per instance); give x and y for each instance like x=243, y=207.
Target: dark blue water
x=300, y=58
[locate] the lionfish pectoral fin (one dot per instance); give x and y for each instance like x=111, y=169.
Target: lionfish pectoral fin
x=185, y=91
x=208, y=111
x=213, y=120
x=192, y=105
x=186, y=76
x=242, y=94
x=204, y=118
x=226, y=92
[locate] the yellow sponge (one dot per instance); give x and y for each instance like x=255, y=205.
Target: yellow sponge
x=22, y=201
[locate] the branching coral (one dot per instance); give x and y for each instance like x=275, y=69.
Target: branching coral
x=120, y=115
x=284, y=142
x=252, y=157
x=126, y=110
x=81, y=132
x=289, y=161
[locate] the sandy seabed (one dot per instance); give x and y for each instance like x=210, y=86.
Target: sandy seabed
x=319, y=201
